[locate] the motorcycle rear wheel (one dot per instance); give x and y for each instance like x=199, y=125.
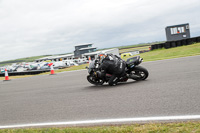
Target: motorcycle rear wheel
x=140, y=72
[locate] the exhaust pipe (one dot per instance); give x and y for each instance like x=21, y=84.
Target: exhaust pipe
x=132, y=76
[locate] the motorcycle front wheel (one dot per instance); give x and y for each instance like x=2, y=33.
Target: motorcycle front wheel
x=94, y=80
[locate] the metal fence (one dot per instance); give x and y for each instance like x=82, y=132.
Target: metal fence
x=172, y=44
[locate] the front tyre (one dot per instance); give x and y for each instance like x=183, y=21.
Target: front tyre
x=140, y=72
x=94, y=80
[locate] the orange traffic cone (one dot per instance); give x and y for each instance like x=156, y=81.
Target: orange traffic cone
x=89, y=60
x=6, y=75
x=52, y=70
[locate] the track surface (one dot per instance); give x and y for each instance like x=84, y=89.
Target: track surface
x=172, y=88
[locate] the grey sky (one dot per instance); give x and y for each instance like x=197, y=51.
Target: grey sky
x=43, y=27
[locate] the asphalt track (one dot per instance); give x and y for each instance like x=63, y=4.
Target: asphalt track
x=172, y=89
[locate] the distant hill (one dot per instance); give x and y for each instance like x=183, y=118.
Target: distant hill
x=134, y=45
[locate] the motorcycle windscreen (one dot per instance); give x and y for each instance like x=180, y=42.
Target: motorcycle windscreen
x=92, y=64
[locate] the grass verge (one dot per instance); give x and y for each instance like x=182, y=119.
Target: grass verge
x=134, y=49
x=161, y=54
x=181, y=127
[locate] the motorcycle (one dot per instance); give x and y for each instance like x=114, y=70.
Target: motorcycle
x=132, y=70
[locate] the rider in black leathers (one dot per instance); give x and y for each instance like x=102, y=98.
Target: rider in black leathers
x=113, y=65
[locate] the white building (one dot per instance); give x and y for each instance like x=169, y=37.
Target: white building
x=94, y=55
x=57, y=58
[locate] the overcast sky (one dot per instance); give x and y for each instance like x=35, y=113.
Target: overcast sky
x=43, y=27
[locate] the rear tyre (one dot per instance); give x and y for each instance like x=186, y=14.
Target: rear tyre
x=140, y=72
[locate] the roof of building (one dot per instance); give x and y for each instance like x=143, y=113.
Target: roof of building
x=83, y=44
x=98, y=52
x=177, y=25
x=87, y=48
x=44, y=58
x=55, y=57
x=92, y=53
x=62, y=56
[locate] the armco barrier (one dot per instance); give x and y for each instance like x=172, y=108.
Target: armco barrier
x=198, y=39
x=33, y=72
x=172, y=44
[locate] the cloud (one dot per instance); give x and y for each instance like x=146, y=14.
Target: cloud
x=33, y=27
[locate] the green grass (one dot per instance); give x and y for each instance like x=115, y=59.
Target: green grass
x=181, y=127
x=15, y=77
x=134, y=46
x=134, y=49
x=139, y=45
x=161, y=54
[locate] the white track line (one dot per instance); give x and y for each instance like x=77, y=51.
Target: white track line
x=103, y=121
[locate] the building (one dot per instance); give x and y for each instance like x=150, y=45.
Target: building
x=82, y=49
x=177, y=32
x=94, y=55
x=63, y=57
x=43, y=59
x=83, y=52
x=57, y=58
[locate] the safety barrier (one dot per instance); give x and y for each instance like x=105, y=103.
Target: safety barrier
x=172, y=44
x=33, y=72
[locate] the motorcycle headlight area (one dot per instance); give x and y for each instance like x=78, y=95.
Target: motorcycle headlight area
x=89, y=70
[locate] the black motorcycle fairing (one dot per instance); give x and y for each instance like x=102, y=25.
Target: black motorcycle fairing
x=133, y=61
